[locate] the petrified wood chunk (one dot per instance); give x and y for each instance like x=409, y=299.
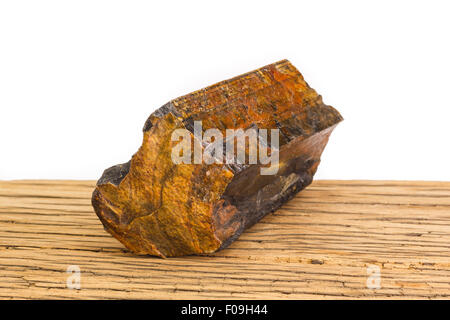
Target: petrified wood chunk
x=156, y=206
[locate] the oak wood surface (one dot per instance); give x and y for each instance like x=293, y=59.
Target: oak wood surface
x=322, y=244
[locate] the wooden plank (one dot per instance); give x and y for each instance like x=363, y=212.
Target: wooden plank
x=319, y=245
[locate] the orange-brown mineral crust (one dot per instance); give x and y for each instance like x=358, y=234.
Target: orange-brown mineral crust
x=154, y=206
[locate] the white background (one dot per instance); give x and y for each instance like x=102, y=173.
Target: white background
x=79, y=78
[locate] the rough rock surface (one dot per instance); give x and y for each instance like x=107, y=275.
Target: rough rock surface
x=156, y=207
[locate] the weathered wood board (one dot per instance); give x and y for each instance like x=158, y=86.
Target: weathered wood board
x=332, y=240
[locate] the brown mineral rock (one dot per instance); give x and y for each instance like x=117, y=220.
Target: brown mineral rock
x=187, y=191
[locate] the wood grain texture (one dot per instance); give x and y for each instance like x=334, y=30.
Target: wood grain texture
x=318, y=245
